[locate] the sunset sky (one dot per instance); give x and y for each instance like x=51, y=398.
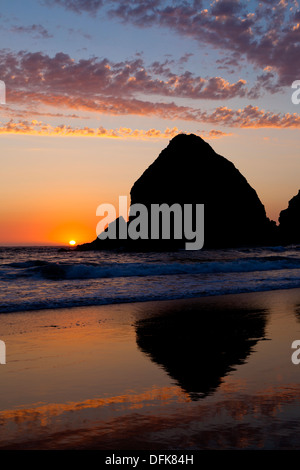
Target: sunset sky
x=95, y=89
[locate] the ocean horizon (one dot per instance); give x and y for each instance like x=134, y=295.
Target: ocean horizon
x=34, y=278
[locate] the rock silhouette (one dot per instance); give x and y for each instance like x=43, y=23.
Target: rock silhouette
x=184, y=340
x=108, y=244
x=289, y=221
x=189, y=171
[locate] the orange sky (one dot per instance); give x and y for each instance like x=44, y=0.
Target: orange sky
x=93, y=96
x=52, y=185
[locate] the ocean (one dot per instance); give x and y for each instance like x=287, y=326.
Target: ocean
x=34, y=278
x=151, y=355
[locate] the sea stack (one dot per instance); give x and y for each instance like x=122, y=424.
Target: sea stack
x=189, y=171
x=289, y=221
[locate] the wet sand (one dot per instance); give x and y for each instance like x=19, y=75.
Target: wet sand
x=209, y=373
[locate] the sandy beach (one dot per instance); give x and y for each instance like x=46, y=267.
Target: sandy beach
x=207, y=373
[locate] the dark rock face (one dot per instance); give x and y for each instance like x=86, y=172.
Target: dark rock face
x=109, y=243
x=289, y=221
x=189, y=171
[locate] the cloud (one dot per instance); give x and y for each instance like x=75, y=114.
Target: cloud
x=78, y=6
x=214, y=134
x=185, y=58
x=252, y=117
x=265, y=34
x=9, y=112
x=79, y=32
x=225, y=8
x=36, y=30
x=248, y=117
x=38, y=71
x=111, y=105
x=35, y=127
x=102, y=86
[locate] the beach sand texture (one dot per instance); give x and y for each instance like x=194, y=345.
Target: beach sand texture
x=207, y=373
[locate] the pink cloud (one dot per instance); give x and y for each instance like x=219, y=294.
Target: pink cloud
x=264, y=34
x=37, y=71
x=35, y=127
x=248, y=117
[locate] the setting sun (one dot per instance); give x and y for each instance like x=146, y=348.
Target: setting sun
x=72, y=242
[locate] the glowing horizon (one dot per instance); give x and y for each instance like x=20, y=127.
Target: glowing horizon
x=93, y=98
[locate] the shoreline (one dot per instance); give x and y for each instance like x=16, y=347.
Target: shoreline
x=158, y=299
x=171, y=374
